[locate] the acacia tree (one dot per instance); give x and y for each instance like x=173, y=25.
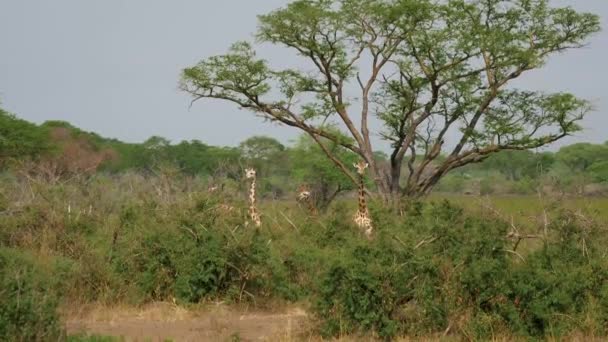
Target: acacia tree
x=427, y=69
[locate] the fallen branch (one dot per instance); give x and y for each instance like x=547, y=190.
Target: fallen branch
x=515, y=253
x=425, y=242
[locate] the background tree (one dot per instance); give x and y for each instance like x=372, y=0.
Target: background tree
x=193, y=157
x=155, y=153
x=515, y=165
x=428, y=69
x=260, y=148
x=225, y=163
x=581, y=164
x=267, y=155
x=580, y=157
x=310, y=165
x=599, y=171
x=21, y=139
x=264, y=153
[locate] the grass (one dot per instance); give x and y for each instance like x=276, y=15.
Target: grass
x=527, y=208
x=94, y=338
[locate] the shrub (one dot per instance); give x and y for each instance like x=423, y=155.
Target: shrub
x=524, y=186
x=436, y=269
x=444, y=268
x=452, y=183
x=28, y=304
x=193, y=254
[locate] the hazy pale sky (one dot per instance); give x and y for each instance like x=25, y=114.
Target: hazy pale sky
x=113, y=66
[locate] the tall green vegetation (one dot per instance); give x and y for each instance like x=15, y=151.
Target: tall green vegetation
x=132, y=239
x=309, y=165
x=61, y=150
x=422, y=68
x=576, y=169
x=28, y=299
x=143, y=226
x=20, y=139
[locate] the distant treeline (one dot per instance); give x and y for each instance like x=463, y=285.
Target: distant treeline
x=58, y=149
x=579, y=168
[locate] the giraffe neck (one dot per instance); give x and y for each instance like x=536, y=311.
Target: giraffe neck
x=362, y=202
x=311, y=205
x=252, y=195
x=253, y=213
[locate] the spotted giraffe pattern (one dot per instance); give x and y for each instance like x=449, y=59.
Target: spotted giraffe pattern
x=305, y=196
x=253, y=212
x=362, y=218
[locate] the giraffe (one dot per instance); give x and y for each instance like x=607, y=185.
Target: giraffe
x=305, y=196
x=253, y=212
x=362, y=218
x=217, y=191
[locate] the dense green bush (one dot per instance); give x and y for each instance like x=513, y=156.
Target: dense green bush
x=28, y=301
x=196, y=253
x=525, y=186
x=437, y=268
x=452, y=269
x=394, y=284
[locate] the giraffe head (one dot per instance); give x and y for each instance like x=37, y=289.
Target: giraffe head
x=361, y=166
x=250, y=173
x=304, y=192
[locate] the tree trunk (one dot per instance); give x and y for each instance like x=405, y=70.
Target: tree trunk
x=395, y=175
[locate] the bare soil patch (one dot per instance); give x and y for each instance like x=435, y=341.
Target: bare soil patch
x=162, y=321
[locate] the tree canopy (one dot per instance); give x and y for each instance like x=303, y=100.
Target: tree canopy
x=580, y=157
x=426, y=69
x=58, y=150
x=20, y=139
x=309, y=165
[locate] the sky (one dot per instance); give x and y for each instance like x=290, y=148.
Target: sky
x=113, y=67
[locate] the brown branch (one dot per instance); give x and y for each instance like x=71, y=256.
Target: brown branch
x=334, y=159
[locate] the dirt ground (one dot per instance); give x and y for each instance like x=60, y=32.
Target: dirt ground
x=165, y=321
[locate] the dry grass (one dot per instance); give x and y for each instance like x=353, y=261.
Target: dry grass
x=163, y=321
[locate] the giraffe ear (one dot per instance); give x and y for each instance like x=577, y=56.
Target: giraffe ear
x=355, y=165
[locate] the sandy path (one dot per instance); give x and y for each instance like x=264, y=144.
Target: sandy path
x=162, y=321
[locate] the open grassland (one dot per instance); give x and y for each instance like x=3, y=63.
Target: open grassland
x=528, y=208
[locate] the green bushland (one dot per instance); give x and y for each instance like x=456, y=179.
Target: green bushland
x=134, y=239
x=59, y=150
x=28, y=299
x=528, y=210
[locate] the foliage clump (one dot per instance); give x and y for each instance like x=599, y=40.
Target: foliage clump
x=28, y=301
x=446, y=271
